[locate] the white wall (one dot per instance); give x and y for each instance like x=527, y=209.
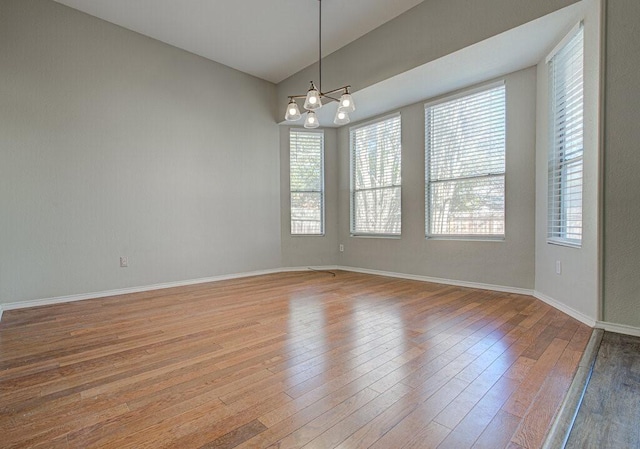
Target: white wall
x=113, y=144
x=507, y=263
x=577, y=286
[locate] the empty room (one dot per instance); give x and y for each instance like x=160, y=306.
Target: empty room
x=319, y=224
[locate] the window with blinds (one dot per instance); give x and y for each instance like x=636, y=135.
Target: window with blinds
x=465, y=165
x=376, y=178
x=566, y=141
x=306, y=182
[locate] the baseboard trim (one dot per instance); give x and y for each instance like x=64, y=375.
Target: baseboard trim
x=566, y=309
x=146, y=288
x=619, y=328
x=414, y=277
x=125, y=291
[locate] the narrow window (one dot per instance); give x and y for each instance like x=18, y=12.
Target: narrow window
x=566, y=102
x=306, y=181
x=465, y=165
x=376, y=178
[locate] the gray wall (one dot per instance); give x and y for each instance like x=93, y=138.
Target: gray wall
x=622, y=164
x=430, y=30
x=113, y=144
x=577, y=286
x=506, y=263
x=304, y=251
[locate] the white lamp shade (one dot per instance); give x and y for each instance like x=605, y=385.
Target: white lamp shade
x=311, y=120
x=341, y=118
x=293, y=112
x=313, y=99
x=346, y=103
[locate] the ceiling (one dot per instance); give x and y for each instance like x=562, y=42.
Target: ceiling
x=270, y=39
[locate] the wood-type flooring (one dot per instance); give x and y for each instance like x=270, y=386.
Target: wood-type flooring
x=609, y=416
x=289, y=360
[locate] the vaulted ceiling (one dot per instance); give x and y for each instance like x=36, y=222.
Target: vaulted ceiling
x=270, y=39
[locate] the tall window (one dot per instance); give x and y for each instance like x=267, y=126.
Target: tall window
x=465, y=165
x=306, y=181
x=566, y=141
x=375, y=178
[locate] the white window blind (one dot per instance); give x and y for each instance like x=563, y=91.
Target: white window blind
x=376, y=178
x=465, y=165
x=306, y=181
x=566, y=142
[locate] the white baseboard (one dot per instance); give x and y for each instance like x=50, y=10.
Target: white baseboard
x=146, y=288
x=124, y=291
x=611, y=327
x=566, y=309
x=415, y=277
x=619, y=328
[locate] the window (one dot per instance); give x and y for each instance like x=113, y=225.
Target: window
x=465, y=165
x=376, y=178
x=566, y=141
x=306, y=182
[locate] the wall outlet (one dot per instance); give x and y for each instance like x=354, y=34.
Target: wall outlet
x=558, y=267
x=124, y=262
x=341, y=248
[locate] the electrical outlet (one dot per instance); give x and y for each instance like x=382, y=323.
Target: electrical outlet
x=341, y=248
x=558, y=267
x=124, y=261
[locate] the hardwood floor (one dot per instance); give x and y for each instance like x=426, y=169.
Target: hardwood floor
x=610, y=411
x=287, y=360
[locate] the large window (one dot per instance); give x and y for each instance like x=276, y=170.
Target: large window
x=465, y=165
x=375, y=178
x=566, y=141
x=306, y=181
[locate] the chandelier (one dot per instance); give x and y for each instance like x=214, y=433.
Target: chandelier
x=314, y=97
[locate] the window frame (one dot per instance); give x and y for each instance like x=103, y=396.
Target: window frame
x=557, y=221
x=352, y=175
x=427, y=167
x=322, y=232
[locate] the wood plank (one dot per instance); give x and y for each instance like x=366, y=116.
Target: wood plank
x=291, y=360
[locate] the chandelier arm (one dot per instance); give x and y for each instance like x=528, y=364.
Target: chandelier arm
x=345, y=88
x=296, y=97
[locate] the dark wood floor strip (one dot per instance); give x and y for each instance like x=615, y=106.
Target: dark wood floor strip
x=610, y=411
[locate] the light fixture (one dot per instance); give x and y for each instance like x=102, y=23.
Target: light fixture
x=312, y=120
x=314, y=96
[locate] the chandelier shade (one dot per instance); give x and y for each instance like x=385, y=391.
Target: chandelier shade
x=314, y=97
x=293, y=112
x=312, y=120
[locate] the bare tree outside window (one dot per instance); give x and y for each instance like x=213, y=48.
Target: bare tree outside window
x=465, y=165
x=376, y=178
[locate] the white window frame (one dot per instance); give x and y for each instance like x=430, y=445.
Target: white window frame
x=354, y=191
x=321, y=191
x=557, y=198
x=493, y=174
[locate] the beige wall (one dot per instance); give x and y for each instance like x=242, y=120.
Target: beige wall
x=622, y=164
x=505, y=263
x=113, y=144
